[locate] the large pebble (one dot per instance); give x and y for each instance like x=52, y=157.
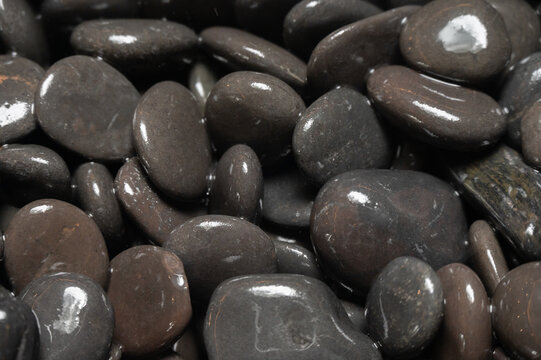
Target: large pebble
x=287, y=317
x=156, y=217
x=75, y=11
x=435, y=112
x=74, y=315
x=363, y=219
x=214, y=248
x=346, y=56
x=517, y=310
x=462, y=40
x=501, y=185
x=255, y=109
x=150, y=296
x=171, y=141
x=466, y=330
x=238, y=186
x=135, y=43
x=34, y=172
x=49, y=236
x=241, y=50
x=404, y=308
x=19, y=79
x=340, y=132
x=87, y=106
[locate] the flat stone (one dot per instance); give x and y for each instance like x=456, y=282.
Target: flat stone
x=438, y=113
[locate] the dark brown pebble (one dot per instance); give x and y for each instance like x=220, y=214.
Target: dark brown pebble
x=404, y=308
x=501, y=185
x=462, y=40
x=292, y=317
x=238, y=186
x=356, y=314
x=21, y=31
x=156, y=217
x=438, y=113
x=241, y=50
x=295, y=259
x=214, y=248
x=135, y=43
x=309, y=21
x=171, y=141
x=363, y=219
x=530, y=135
x=87, y=106
x=19, y=79
x=346, y=56
x=75, y=11
x=466, y=331
x=521, y=88
x=201, y=81
x=288, y=199
x=95, y=194
x=50, y=236
x=255, y=109
x=34, y=172
x=340, y=132
x=487, y=258
x=19, y=337
x=75, y=317
x=150, y=296
x=517, y=310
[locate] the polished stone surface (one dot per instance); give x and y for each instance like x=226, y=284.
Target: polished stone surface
x=530, y=135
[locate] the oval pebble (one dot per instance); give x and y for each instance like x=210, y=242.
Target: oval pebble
x=19, y=79
x=340, y=132
x=74, y=316
x=436, y=112
x=404, y=308
x=150, y=297
x=135, y=43
x=50, y=236
x=241, y=50
x=517, y=310
x=288, y=316
x=171, y=141
x=363, y=219
x=87, y=106
x=295, y=259
x=255, y=109
x=201, y=81
x=465, y=41
x=214, y=248
x=238, y=186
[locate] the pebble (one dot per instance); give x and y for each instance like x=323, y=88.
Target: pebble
x=411, y=155
x=255, y=109
x=517, y=306
x=487, y=255
x=214, y=248
x=19, y=337
x=94, y=190
x=530, y=134
x=33, y=172
x=396, y=3
x=74, y=316
x=171, y=141
x=19, y=79
x=464, y=41
x=238, y=186
x=87, y=106
x=288, y=316
x=201, y=81
x=404, y=308
x=466, y=330
x=435, y=112
x=135, y=44
x=363, y=219
x=75, y=11
x=309, y=21
x=48, y=236
x=340, y=132
x=241, y=50
x=295, y=259
x=155, y=217
x=347, y=55
x=501, y=185
x=150, y=297
x=356, y=314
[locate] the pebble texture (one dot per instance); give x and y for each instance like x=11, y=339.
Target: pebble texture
x=530, y=134
x=201, y=81
x=295, y=259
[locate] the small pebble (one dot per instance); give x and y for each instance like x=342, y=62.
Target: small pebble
x=295, y=259
x=530, y=135
x=201, y=81
x=356, y=314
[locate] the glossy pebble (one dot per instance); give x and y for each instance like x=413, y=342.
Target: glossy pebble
x=201, y=81
x=295, y=259
x=530, y=135
x=356, y=314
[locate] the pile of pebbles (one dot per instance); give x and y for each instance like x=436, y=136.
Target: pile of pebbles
x=270, y=179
